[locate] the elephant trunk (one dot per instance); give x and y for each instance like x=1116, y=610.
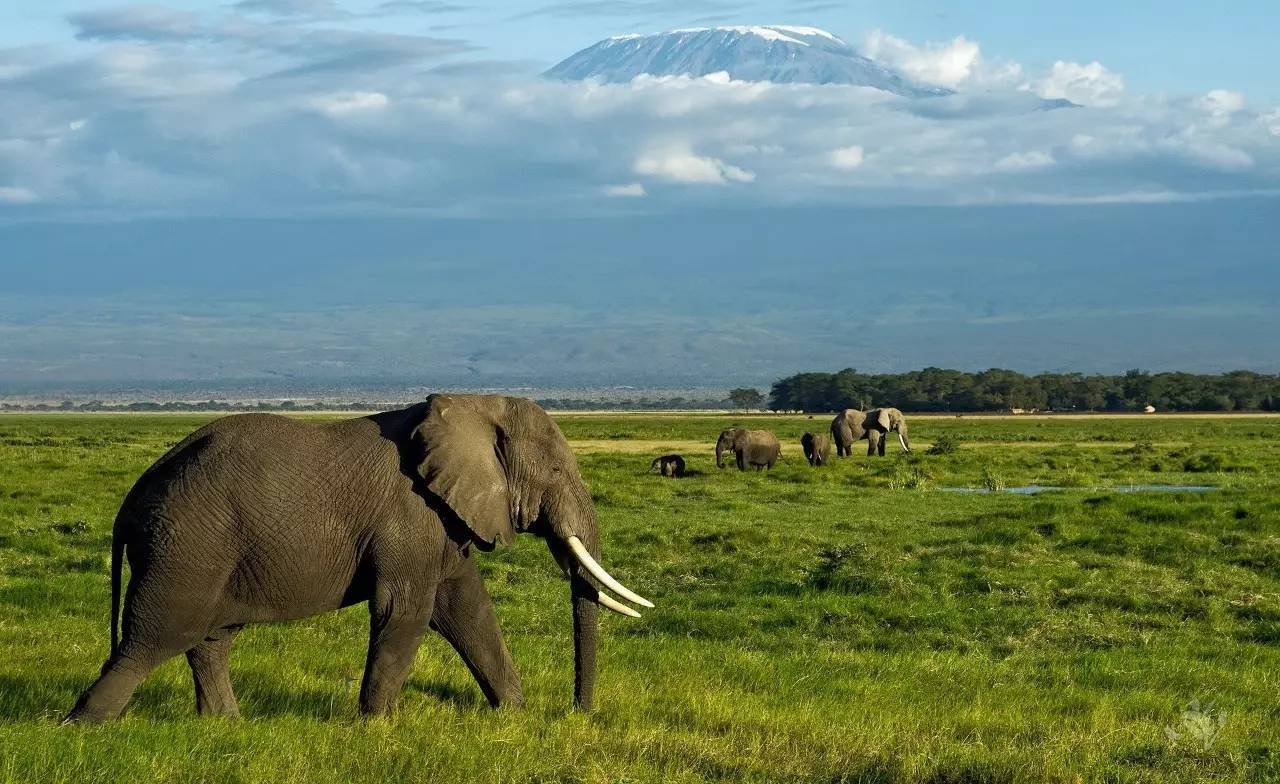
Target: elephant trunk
x=585, y=627
x=574, y=541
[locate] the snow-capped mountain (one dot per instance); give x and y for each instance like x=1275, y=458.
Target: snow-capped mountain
x=776, y=53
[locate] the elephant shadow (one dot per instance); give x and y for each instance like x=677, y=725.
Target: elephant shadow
x=264, y=695
x=260, y=694
x=36, y=698
x=689, y=473
x=49, y=698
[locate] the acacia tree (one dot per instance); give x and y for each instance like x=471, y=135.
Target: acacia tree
x=745, y=398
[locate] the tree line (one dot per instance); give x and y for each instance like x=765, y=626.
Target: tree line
x=935, y=389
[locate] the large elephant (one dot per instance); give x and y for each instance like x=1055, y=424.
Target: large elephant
x=817, y=448
x=757, y=448
x=257, y=518
x=847, y=427
x=881, y=421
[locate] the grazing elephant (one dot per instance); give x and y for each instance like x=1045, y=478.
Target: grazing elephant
x=258, y=518
x=881, y=421
x=848, y=426
x=817, y=449
x=758, y=448
x=670, y=466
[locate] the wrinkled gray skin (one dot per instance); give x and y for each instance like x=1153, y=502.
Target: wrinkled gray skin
x=817, y=448
x=258, y=518
x=756, y=448
x=881, y=421
x=848, y=427
x=670, y=466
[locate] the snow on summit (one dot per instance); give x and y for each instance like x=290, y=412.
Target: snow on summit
x=784, y=54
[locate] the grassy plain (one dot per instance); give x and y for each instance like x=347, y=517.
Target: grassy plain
x=853, y=623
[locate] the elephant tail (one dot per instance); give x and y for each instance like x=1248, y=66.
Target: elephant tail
x=117, y=564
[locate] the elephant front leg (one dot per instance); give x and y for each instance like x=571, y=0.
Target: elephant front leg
x=397, y=621
x=210, y=667
x=464, y=616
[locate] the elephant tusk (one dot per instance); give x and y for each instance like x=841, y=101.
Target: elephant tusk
x=597, y=571
x=903, y=441
x=609, y=603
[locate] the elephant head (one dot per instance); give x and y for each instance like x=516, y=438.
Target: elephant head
x=816, y=448
x=503, y=467
x=884, y=420
x=726, y=441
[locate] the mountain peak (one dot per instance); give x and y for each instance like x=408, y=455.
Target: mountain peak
x=784, y=54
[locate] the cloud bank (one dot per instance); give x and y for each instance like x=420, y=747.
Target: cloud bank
x=289, y=107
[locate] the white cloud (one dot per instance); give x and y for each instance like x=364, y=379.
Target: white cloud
x=633, y=190
x=1220, y=104
x=847, y=158
x=1088, y=85
x=349, y=103
x=943, y=64
x=1024, y=161
x=13, y=195
x=682, y=166
x=204, y=117
x=1271, y=121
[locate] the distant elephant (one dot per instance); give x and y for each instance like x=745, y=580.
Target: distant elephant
x=881, y=421
x=758, y=448
x=817, y=449
x=847, y=427
x=260, y=518
x=670, y=466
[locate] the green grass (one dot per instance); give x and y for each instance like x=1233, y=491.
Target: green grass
x=851, y=623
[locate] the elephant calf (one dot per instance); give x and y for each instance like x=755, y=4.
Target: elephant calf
x=670, y=466
x=757, y=448
x=817, y=448
x=258, y=518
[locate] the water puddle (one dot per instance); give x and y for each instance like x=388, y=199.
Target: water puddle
x=1037, y=489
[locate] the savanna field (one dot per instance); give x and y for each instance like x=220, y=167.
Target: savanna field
x=851, y=623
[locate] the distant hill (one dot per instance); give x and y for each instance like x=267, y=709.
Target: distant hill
x=674, y=300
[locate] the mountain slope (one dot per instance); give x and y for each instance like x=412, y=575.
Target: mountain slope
x=779, y=53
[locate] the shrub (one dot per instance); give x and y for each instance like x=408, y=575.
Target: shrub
x=944, y=445
x=1203, y=463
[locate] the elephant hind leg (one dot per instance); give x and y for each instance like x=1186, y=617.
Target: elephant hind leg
x=107, y=697
x=210, y=667
x=145, y=646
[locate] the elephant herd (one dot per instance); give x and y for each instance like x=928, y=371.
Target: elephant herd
x=760, y=449
x=257, y=518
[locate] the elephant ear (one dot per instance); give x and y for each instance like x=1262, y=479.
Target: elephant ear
x=881, y=419
x=461, y=462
